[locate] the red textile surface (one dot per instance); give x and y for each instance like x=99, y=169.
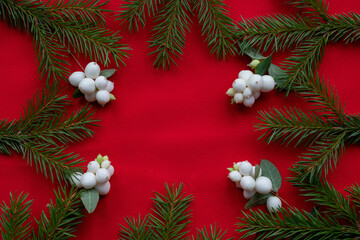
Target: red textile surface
x=174, y=126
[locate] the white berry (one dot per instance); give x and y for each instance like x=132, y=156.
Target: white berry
x=230, y=92
x=245, y=74
x=101, y=82
x=103, y=188
x=109, y=86
x=255, y=82
x=253, y=172
x=76, y=77
x=263, y=185
x=88, y=180
x=238, y=97
x=90, y=97
x=234, y=176
x=239, y=85
x=111, y=170
x=87, y=86
x=92, y=70
x=248, y=194
x=273, y=204
x=256, y=94
x=93, y=166
x=75, y=178
x=248, y=102
x=245, y=168
x=247, y=92
x=102, y=175
x=105, y=164
x=102, y=97
x=268, y=83
x=247, y=183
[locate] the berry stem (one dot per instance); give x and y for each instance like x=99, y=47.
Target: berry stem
x=283, y=200
x=73, y=56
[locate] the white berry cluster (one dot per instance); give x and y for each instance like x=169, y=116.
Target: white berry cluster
x=97, y=176
x=248, y=86
x=243, y=174
x=92, y=85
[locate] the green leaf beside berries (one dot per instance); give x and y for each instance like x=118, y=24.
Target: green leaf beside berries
x=90, y=199
x=107, y=72
x=251, y=52
x=269, y=170
x=257, y=199
x=263, y=66
x=77, y=94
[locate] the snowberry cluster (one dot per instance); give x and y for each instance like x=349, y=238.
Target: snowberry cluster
x=247, y=87
x=92, y=85
x=97, y=176
x=243, y=175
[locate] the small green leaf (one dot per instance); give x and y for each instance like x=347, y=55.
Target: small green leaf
x=107, y=72
x=257, y=199
x=250, y=51
x=90, y=199
x=77, y=94
x=263, y=66
x=269, y=170
x=232, y=101
x=257, y=171
x=231, y=169
x=277, y=73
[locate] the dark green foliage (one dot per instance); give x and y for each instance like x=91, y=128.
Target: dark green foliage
x=172, y=21
x=64, y=216
x=168, y=220
x=63, y=25
x=43, y=132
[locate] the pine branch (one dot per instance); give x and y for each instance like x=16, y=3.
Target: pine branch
x=14, y=218
x=324, y=98
x=278, y=32
x=292, y=124
x=215, y=234
x=86, y=11
x=354, y=192
x=320, y=158
x=293, y=224
x=132, y=13
x=138, y=229
x=218, y=28
x=170, y=216
x=344, y=26
x=303, y=62
x=65, y=215
x=168, y=36
x=313, y=7
x=325, y=195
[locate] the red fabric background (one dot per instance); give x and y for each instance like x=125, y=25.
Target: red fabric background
x=173, y=126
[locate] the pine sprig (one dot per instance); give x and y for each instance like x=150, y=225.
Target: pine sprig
x=42, y=134
x=15, y=216
x=217, y=26
x=65, y=215
x=313, y=7
x=168, y=38
x=294, y=224
x=133, y=13
x=172, y=19
x=170, y=216
x=168, y=220
x=215, y=234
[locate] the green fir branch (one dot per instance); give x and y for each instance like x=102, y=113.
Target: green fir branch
x=168, y=38
x=133, y=13
x=138, y=229
x=301, y=66
x=313, y=7
x=293, y=224
x=217, y=26
x=170, y=216
x=215, y=234
x=354, y=192
x=64, y=216
x=14, y=218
